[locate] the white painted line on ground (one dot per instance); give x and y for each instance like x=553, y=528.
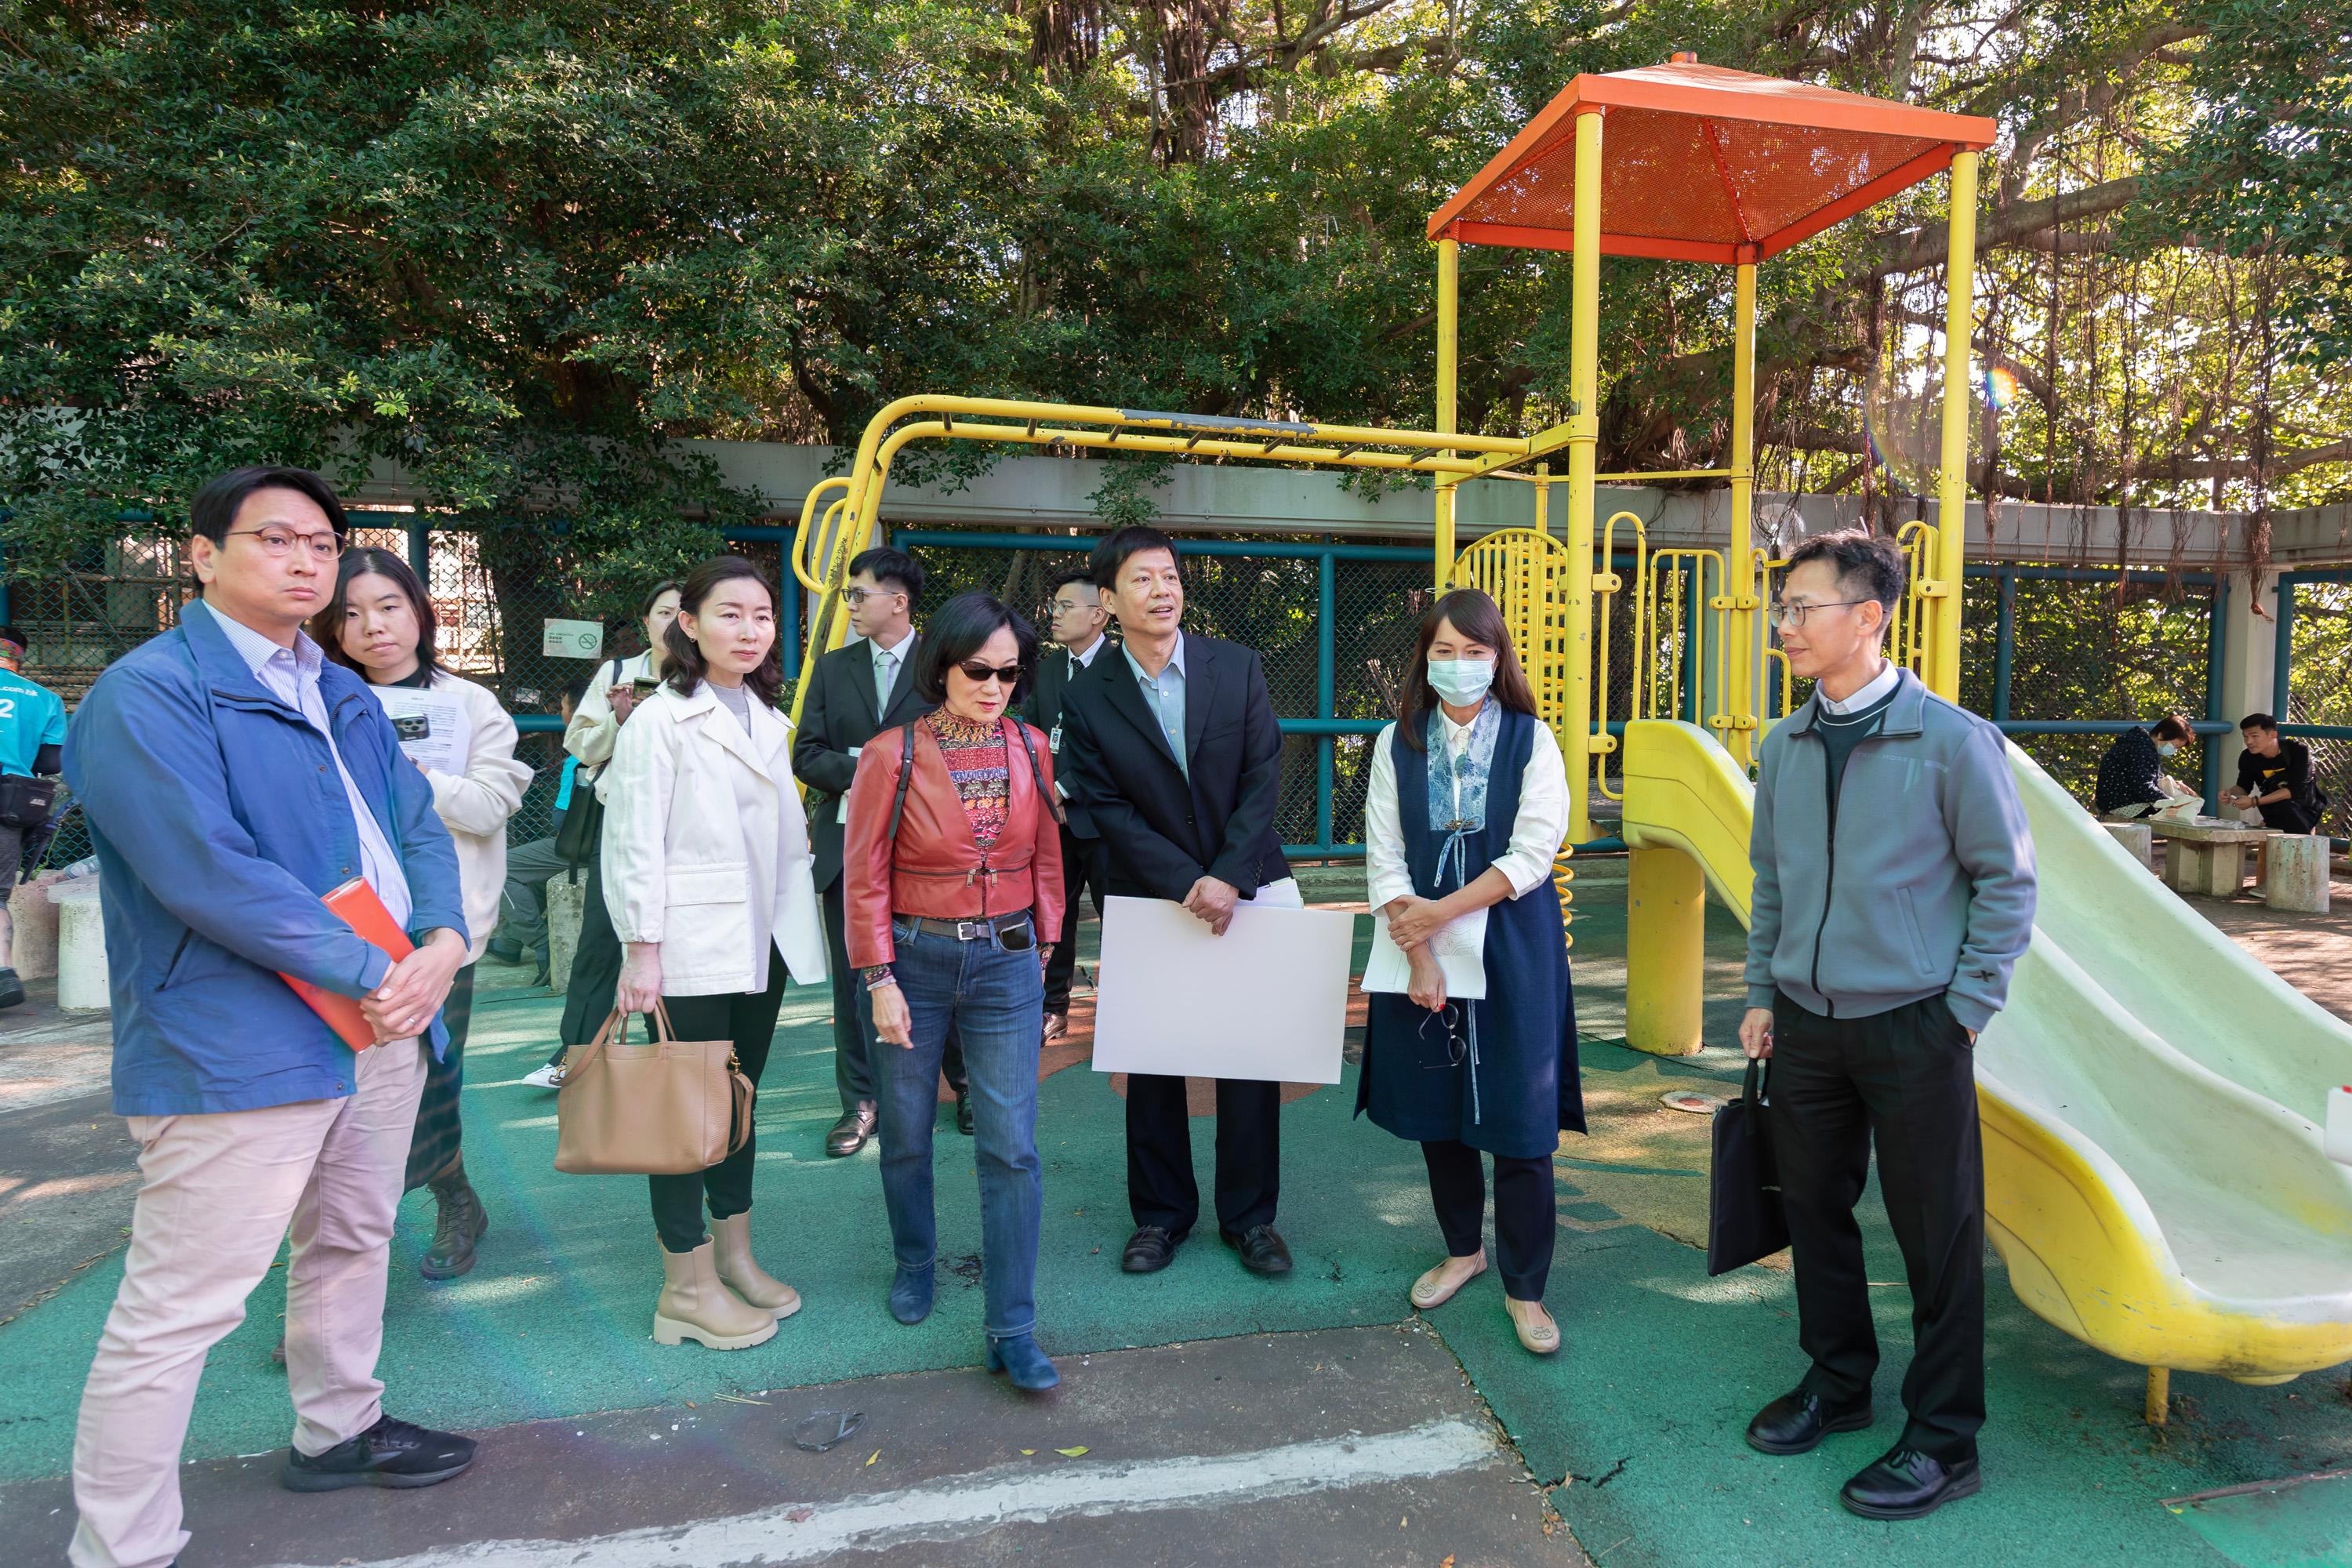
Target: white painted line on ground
x=969, y=1505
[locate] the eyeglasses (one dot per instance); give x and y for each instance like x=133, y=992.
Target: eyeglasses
x=1458, y=1044
x=1794, y=615
x=282, y=541
x=854, y=598
x=976, y=671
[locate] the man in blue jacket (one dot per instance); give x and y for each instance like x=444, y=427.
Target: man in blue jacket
x=1894, y=894
x=231, y=776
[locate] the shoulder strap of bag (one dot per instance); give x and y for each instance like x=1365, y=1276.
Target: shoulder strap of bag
x=898, y=801
x=1035, y=776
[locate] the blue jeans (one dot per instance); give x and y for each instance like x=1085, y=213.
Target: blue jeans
x=995, y=1001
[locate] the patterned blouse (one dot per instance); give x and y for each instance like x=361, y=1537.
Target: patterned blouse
x=977, y=763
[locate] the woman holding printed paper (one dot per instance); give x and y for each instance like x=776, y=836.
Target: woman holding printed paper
x=1467, y=806
x=380, y=623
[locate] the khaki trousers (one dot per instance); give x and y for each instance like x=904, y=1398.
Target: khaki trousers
x=216, y=1194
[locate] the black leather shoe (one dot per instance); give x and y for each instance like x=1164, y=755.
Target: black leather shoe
x=505, y=951
x=389, y=1454
x=1796, y=1422
x=851, y=1133
x=11, y=989
x=963, y=1112
x=1149, y=1250
x=1904, y=1483
x=1261, y=1248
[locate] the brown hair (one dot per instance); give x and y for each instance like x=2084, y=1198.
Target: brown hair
x=2173, y=727
x=327, y=626
x=683, y=659
x=1477, y=619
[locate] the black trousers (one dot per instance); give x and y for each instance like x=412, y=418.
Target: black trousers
x=595, y=968
x=434, y=1147
x=749, y=1020
x=1082, y=870
x=1159, y=1187
x=1904, y=1080
x=1527, y=1215
x=853, y=1063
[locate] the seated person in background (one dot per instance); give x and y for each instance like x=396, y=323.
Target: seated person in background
x=2275, y=776
x=522, y=935
x=2131, y=775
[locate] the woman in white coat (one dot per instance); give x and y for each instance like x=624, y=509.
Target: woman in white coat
x=381, y=623
x=708, y=876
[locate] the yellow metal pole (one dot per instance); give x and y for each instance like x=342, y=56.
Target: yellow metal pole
x=1665, y=952
x=1449, y=314
x=1543, y=498
x=1740, y=561
x=1584, y=442
x=1952, y=480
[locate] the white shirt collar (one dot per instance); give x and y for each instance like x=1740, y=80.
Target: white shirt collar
x=892, y=649
x=1085, y=660
x=1889, y=675
x=257, y=650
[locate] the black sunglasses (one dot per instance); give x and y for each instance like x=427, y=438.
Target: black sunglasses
x=976, y=671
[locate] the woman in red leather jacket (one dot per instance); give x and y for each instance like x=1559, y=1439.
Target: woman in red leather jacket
x=953, y=863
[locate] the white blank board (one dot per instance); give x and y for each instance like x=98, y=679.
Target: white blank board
x=1267, y=1000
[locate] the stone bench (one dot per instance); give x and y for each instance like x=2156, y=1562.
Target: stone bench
x=2294, y=873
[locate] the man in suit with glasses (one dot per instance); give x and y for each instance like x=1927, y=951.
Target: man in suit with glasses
x=1079, y=621
x=855, y=692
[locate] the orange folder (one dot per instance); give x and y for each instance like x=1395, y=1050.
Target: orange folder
x=364, y=913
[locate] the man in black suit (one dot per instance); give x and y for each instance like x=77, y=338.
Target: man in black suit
x=1171, y=748
x=1079, y=621
x=855, y=692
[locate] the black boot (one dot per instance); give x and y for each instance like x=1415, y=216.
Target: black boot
x=461, y=1223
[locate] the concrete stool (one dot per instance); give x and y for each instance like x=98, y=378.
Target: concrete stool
x=2202, y=867
x=2295, y=873
x=81, y=947
x=36, y=922
x=2138, y=838
x=567, y=899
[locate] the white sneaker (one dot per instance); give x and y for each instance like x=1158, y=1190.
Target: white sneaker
x=547, y=1075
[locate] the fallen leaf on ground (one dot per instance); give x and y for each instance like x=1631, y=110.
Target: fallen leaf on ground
x=1029, y=1450
x=874, y=1456
x=1071, y=1453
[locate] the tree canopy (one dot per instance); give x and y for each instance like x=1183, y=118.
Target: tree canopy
x=517, y=249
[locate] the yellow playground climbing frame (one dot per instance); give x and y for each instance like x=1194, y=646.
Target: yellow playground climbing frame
x=2108, y=1230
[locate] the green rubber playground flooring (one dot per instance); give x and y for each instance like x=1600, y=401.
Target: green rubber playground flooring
x=1639, y=1416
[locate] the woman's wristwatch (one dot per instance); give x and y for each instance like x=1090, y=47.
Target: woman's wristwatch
x=877, y=976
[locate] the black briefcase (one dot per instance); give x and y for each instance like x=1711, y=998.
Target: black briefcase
x=1745, y=1220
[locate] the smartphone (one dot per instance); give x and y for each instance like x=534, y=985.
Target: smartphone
x=645, y=684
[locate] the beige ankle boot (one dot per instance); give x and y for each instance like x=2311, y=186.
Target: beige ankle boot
x=695, y=1305
x=731, y=1247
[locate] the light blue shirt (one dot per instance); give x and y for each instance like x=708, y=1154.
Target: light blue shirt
x=291, y=675
x=1165, y=696
x=31, y=717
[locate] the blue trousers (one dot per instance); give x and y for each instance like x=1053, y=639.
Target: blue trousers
x=993, y=999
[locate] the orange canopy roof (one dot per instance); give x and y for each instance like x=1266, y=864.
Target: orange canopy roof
x=1701, y=163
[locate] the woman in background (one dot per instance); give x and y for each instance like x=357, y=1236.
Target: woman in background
x=380, y=623
x=711, y=888
x=1468, y=805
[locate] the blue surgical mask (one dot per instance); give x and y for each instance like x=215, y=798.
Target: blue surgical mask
x=2165, y=748
x=1460, y=681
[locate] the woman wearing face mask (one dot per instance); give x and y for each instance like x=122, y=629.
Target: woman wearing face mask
x=953, y=879
x=708, y=880
x=2132, y=775
x=1467, y=807
x=380, y=623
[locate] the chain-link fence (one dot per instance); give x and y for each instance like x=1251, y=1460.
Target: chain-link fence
x=2044, y=649
x=1334, y=624
x=2316, y=675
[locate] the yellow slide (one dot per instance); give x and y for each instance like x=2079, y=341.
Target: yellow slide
x=2151, y=1095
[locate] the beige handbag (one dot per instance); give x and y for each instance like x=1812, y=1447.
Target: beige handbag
x=667, y=1108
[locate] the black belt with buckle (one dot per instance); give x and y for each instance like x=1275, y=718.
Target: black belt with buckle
x=980, y=929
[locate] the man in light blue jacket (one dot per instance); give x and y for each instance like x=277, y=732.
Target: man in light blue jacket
x=1893, y=893
x=231, y=776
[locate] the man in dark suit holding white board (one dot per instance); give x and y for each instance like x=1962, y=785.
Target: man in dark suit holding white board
x=1171, y=748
